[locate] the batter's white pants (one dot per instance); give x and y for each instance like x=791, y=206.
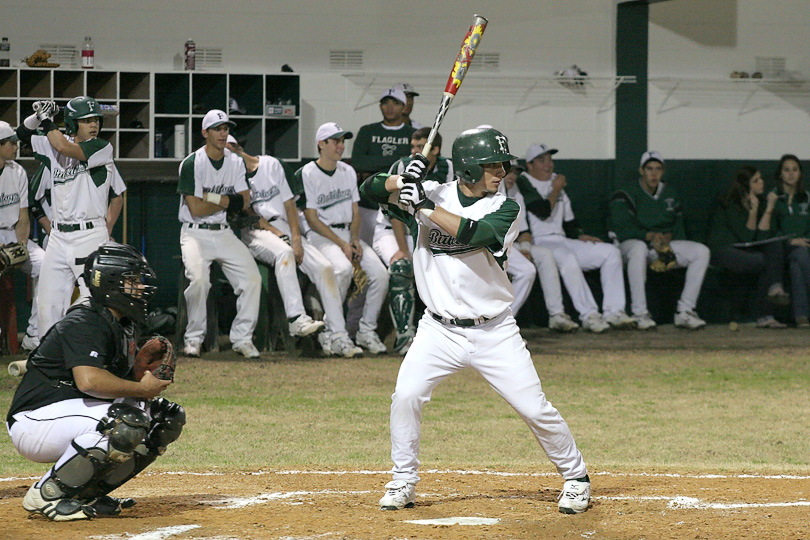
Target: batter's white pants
x=523, y=274
x=575, y=256
x=494, y=349
x=32, y=267
x=269, y=248
x=375, y=270
x=200, y=247
x=693, y=256
x=59, y=270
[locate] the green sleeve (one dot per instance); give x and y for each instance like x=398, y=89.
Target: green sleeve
x=490, y=231
x=373, y=188
x=623, y=221
x=92, y=146
x=185, y=186
x=297, y=188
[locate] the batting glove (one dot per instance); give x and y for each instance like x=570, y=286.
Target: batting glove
x=412, y=195
x=45, y=110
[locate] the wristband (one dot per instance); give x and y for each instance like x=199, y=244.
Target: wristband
x=214, y=198
x=31, y=122
x=47, y=125
x=426, y=211
x=235, y=203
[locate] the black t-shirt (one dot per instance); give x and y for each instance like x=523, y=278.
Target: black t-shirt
x=88, y=335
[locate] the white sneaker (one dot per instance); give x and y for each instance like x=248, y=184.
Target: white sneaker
x=399, y=495
x=304, y=325
x=575, y=496
x=645, y=322
x=246, y=349
x=371, y=342
x=29, y=343
x=689, y=320
x=561, y=322
x=325, y=340
x=595, y=323
x=342, y=345
x=54, y=507
x=192, y=348
x=620, y=320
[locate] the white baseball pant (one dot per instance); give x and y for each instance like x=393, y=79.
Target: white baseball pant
x=575, y=256
x=199, y=248
x=385, y=244
x=375, y=270
x=59, y=271
x=523, y=274
x=494, y=349
x=693, y=256
x=549, y=279
x=32, y=267
x=269, y=248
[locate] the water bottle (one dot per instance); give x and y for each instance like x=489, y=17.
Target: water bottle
x=5, y=53
x=189, y=54
x=158, y=144
x=88, y=54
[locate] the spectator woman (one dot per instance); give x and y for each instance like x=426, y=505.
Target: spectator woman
x=742, y=242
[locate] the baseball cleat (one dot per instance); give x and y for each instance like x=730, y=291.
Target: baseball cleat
x=110, y=506
x=55, y=508
x=689, y=320
x=620, y=320
x=575, y=496
x=399, y=494
x=192, y=349
x=561, y=322
x=304, y=325
x=645, y=322
x=595, y=323
x=325, y=340
x=246, y=349
x=371, y=342
x=342, y=345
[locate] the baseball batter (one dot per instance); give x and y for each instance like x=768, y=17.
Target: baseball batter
x=212, y=184
x=15, y=224
x=79, y=405
x=332, y=211
x=86, y=196
x=464, y=232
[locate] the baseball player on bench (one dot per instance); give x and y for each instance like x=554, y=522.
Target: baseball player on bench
x=463, y=232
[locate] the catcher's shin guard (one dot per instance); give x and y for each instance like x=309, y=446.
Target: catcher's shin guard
x=401, y=296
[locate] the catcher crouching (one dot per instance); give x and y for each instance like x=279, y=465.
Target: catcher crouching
x=89, y=400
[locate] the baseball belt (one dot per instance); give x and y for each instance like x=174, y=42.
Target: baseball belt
x=209, y=226
x=460, y=322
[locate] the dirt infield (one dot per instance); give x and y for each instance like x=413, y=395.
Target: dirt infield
x=292, y=505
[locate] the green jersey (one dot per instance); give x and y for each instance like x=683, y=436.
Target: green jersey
x=634, y=212
x=791, y=216
x=377, y=147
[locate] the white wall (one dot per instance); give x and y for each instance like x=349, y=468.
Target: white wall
x=417, y=41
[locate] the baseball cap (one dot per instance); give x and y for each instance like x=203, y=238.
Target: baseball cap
x=214, y=118
x=7, y=132
x=331, y=130
x=484, y=126
x=406, y=87
x=395, y=93
x=231, y=139
x=538, y=149
x=651, y=155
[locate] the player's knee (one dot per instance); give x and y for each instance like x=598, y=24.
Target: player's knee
x=636, y=249
x=704, y=253
x=408, y=398
x=126, y=427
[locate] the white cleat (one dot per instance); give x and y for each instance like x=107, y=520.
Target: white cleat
x=595, y=323
x=645, y=322
x=689, y=320
x=342, y=345
x=246, y=349
x=620, y=320
x=371, y=342
x=55, y=508
x=575, y=496
x=192, y=349
x=561, y=322
x=305, y=325
x=399, y=494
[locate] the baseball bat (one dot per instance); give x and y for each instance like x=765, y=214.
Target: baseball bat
x=460, y=67
x=17, y=368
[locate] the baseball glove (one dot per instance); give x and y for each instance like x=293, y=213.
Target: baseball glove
x=359, y=281
x=241, y=220
x=666, y=258
x=156, y=355
x=12, y=256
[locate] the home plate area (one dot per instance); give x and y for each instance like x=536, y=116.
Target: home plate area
x=450, y=504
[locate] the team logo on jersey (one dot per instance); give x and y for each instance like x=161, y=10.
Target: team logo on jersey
x=388, y=149
x=441, y=243
x=325, y=200
x=220, y=189
x=803, y=208
x=672, y=204
x=264, y=195
x=62, y=176
x=8, y=199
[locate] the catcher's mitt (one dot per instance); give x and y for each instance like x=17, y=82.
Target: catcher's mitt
x=666, y=258
x=156, y=355
x=359, y=281
x=12, y=256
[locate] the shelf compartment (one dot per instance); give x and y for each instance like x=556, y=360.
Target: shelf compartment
x=209, y=91
x=133, y=85
x=68, y=84
x=166, y=147
x=35, y=84
x=248, y=92
x=282, y=90
x=172, y=93
x=102, y=84
x=133, y=145
x=248, y=132
x=133, y=114
x=8, y=111
x=8, y=83
x=281, y=138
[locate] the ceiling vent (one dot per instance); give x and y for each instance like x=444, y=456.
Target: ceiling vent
x=208, y=57
x=346, y=59
x=487, y=61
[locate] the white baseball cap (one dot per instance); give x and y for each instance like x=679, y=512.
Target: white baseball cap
x=538, y=149
x=395, y=93
x=331, y=130
x=231, y=139
x=214, y=118
x=7, y=132
x=484, y=126
x=406, y=87
x=651, y=155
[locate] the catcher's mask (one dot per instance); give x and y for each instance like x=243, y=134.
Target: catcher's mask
x=476, y=147
x=79, y=108
x=117, y=275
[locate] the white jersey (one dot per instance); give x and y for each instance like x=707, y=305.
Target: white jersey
x=457, y=280
x=80, y=190
x=269, y=189
x=514, y=193
x=331, y=194
x=199, y=176
x=13, y=193
x=562, y=212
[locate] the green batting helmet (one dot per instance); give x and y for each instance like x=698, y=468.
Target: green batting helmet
x=476, y=147
x=81, y=107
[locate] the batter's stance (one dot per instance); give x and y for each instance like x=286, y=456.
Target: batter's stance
x=465, y=230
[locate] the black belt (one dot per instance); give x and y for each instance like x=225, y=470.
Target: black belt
x=209, y=226
x=70, y=227
x=460, y=322
x=341, y=225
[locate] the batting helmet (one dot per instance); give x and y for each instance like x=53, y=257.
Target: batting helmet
x=117, y=276
x=476, y=147
x=81, y=107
